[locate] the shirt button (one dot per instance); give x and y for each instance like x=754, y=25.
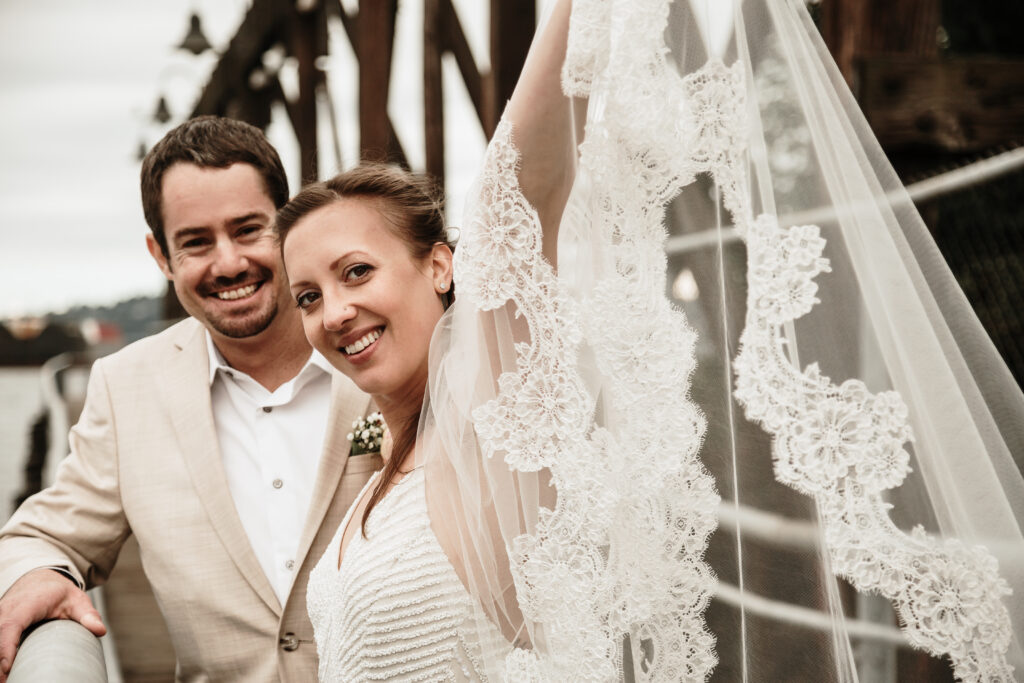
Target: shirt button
x=289, y=642
x=289, y=565
x=267, y=409
x=278, y=483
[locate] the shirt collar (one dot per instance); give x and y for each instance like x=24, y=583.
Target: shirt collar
x=217, y=361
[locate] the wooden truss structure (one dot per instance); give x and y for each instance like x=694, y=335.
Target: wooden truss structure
x=242, y=87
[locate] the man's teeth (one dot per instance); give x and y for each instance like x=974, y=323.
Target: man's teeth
x=239, y=293
x=361, y=344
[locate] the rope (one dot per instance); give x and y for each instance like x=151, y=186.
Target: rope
x=920, y=192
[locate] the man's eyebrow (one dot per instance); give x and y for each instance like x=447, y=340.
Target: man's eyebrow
x=255, y=215
x=189, y=232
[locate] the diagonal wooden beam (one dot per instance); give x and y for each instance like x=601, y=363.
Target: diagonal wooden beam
x=453, y=39
x=259, y=31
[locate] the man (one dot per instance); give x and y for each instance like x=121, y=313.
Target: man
x=217, y=442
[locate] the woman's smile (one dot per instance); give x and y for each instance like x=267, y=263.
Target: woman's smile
x=362, y=349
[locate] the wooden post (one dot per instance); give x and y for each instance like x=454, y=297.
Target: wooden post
x=306, y=43
x=854, y=29
x=433, y=90
x=512, y=25
x=376, y=31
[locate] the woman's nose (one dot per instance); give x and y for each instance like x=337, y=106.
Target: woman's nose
x=337, y=312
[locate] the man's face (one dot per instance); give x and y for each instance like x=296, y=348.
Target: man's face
x=222, y=256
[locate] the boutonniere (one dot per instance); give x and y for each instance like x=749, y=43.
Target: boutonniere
x=367, y=434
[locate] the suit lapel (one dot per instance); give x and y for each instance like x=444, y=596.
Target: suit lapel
x=347, y=404
x=186, y=381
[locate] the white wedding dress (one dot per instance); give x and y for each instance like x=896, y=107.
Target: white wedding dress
x=801, y=467
x=394, y=610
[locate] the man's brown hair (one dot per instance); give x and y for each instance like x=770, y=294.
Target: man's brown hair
x=212, y=142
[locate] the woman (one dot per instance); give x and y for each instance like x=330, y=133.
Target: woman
x=371, y=272
x=563, y=442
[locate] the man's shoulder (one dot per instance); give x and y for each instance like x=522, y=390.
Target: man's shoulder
x=151, y=351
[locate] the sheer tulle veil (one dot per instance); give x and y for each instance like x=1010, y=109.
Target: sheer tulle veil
x=709, y=404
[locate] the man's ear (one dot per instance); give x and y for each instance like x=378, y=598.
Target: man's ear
x=158, y=255
x=441, y=264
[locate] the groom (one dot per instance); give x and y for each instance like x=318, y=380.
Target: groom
x=217, y=442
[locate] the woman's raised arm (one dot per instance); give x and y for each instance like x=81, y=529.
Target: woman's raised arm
x=546, y=124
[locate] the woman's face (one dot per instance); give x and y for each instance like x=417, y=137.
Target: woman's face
x=367, y=304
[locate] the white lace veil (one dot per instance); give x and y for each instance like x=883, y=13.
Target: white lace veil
x=784, y=451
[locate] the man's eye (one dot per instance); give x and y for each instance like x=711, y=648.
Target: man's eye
x=250, y=229
x=193, y=243
x=306, y=299
x=358, y=271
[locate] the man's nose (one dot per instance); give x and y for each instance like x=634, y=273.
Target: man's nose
x=229, y=260
x=338, y=310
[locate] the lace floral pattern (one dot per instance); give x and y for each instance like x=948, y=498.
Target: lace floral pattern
x=582, y=573
x=594, y=566
x=843, y=445
x=587, y=48
x=597, y=568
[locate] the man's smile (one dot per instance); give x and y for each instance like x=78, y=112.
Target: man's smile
x=238, y=292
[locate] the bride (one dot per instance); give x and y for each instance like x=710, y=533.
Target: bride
x=802, y=470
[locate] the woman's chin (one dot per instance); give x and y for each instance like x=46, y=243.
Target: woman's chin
x=367, y=382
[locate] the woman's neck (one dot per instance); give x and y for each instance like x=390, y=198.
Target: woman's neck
x=397, y=417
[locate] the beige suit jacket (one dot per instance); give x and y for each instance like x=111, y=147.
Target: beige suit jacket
x=145, y=460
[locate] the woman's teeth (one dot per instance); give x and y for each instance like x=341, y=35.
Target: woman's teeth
x=239, y=293
x=361, y=344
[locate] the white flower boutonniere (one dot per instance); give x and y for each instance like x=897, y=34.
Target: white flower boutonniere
x=367, y=434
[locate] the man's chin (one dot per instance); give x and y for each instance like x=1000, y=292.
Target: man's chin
x=242, y=327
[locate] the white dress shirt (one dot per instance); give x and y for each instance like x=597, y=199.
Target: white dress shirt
x=271, y=443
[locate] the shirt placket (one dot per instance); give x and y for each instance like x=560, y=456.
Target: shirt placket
x=280, y=499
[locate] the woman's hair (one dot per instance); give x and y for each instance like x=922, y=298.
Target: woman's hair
x=412, y=206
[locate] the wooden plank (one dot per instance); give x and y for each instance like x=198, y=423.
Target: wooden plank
x=350, y=24
x=433, y=95
x=857, y=28
x=953, y=105
x=512, y=25
x=376, y=30
x=307, y=37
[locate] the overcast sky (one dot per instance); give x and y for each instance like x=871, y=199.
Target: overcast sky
x=78, y=86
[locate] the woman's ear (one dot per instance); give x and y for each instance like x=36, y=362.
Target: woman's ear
x=441, y=267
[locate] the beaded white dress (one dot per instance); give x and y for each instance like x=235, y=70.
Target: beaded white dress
x=395, y=610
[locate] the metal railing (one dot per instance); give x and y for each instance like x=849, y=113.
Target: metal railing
x=58, y=652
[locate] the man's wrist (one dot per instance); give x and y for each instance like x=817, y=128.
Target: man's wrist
x=67, y=575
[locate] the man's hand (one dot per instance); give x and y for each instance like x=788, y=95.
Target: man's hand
x=40, y=595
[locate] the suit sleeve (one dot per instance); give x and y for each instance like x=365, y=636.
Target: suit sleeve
x=78, y=523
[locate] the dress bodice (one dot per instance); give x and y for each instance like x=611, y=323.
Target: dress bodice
x=395, y=610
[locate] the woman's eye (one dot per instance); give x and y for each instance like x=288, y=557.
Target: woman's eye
x=306, y=299
x=358, y=271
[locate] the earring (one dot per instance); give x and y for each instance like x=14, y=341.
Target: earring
x=443, y=286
